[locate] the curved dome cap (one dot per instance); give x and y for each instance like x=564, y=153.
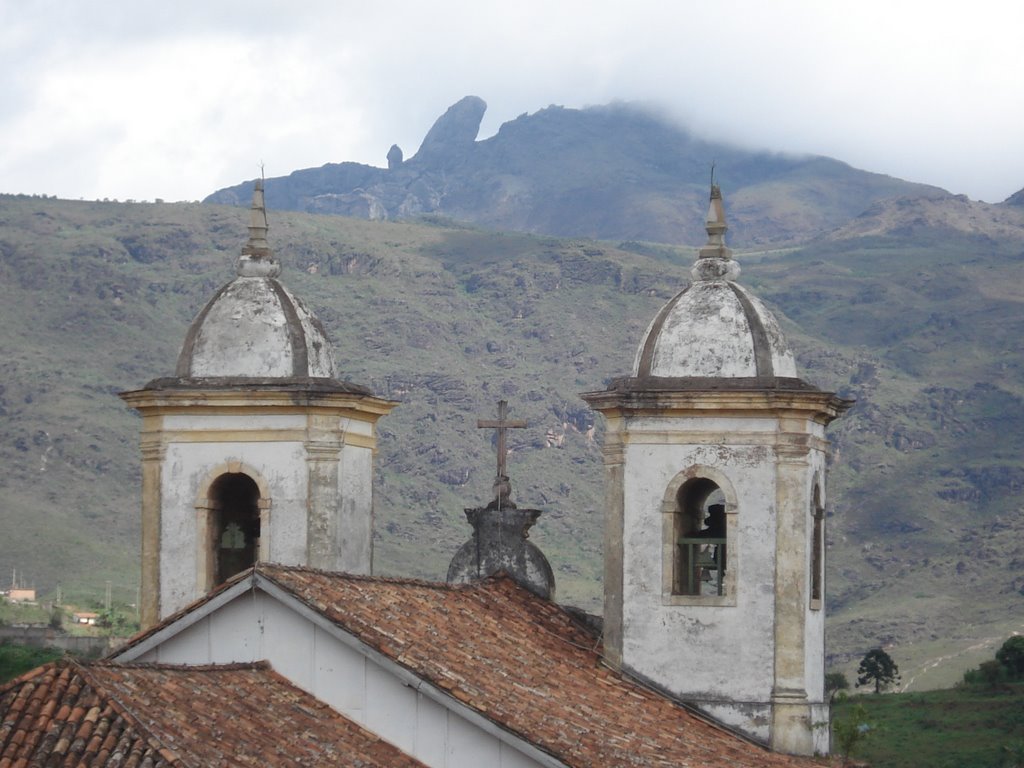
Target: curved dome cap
x=254, y=327
x=714, y=328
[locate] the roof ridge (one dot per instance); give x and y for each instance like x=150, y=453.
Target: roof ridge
x=551, y=610
x=170, y=618
x=554, y=612
x=267, y=568
x=231, y=666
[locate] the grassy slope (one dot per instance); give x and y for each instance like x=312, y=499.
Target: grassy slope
x=96, y=298
x=959, y=728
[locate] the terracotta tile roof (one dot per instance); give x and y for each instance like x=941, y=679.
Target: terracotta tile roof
x=153, y=716
x=523, y=663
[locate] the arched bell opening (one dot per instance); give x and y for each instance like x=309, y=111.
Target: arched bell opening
x=701, y=538
x=699, y=512
x=235, y=525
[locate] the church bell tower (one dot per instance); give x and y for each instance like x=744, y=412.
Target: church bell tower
x=254, y=450
x=715, y=456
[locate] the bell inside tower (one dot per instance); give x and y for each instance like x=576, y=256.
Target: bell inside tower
x=701, y=537
x=236, y=525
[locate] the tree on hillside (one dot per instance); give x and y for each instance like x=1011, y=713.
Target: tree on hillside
x=1011, y=656
x=834, y=683
x=877, y=667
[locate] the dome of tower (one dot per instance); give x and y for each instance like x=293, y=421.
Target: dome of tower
x=254, y=327
x=714, y=328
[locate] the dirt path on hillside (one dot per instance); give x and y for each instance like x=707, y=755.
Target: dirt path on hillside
x=988, y=642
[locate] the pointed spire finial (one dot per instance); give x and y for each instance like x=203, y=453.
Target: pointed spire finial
x=257, y=260
x=715, y=224
x=714, y=260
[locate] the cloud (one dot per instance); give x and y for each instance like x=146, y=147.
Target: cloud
x=140, y=100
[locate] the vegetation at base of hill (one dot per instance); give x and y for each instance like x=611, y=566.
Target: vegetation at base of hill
x=1006, y=667
x=18, y=659
x=849, y=731
x=925, y=534
x=22, y=613
x=119, y=620
x=966, y=727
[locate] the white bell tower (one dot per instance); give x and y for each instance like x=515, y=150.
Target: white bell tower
x=715, y=458
x=254, y=450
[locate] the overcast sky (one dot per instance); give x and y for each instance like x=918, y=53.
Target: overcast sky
x=133, y=99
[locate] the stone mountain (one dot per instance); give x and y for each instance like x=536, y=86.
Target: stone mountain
x=615, y=172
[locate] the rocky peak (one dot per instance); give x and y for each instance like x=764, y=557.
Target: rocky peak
x=452, y=137
x=1017, y=198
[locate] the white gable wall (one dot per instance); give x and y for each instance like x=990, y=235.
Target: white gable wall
x=256, y=626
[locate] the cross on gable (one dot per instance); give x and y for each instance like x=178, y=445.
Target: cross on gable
x=502, y=424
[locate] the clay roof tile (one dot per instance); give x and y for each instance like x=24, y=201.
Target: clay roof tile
x=523, y=663
x=239, y=714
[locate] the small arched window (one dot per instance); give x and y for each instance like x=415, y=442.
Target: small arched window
x=817, y=548
x=235, y=525
x=701, y=539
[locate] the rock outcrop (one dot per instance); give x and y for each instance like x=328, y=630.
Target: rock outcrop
x=394, y=157
x=1017, y=198
x=453, y=135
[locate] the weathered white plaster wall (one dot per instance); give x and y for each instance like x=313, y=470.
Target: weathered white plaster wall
x=722, y=657
x=355, y=427
x=186, y=467
x=705, y=653
x=255, y=626
x=318, y=486
x=754, y=427
x=354, y=545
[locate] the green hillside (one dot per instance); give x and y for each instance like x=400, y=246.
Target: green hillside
x=973, y=727
x=925, y=545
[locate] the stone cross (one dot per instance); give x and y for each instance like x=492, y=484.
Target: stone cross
x=502, y=424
